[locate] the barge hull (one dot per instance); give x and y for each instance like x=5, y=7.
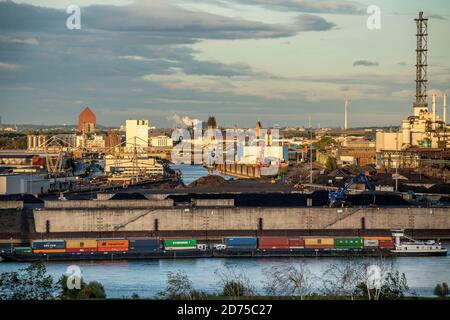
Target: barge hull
x=194, y=254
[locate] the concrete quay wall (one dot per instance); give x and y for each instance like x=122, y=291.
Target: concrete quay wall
x=217, y=218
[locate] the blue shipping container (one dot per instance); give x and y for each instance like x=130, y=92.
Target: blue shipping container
x=49, y=244
x=143, y=249
x=249, y=242
x=145, y=242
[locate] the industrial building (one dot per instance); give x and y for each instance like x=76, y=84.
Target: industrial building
x=422, y=138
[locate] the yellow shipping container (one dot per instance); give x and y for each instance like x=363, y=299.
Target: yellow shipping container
x=79, y=244
x=319, y=241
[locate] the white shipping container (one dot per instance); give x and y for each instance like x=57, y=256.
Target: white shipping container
x=371, y=243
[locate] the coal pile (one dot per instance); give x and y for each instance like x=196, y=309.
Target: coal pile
x=212, y=180
x=382, y=200
x=442, y=188
x=319, y=199
x=128, y=196
x=26, y=198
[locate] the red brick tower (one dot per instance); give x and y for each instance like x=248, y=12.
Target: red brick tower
x=87, y=121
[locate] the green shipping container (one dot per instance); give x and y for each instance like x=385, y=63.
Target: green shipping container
x=180, y=243
x=23, y=250
x=348, y=243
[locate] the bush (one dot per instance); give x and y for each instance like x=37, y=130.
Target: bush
x=441, y=290
x=91, y=290
x=179, y=287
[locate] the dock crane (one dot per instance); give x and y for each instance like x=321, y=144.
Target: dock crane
x=339, y=196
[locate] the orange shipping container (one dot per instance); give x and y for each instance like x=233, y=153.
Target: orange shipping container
x=50, y=251
x=378, y=238
x=104, y=244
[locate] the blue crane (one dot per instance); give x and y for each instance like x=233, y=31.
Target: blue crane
x=341, y=194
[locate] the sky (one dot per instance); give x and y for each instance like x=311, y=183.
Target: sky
x=277, y=61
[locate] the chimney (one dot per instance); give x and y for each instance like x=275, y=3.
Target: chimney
x=434, y=110
x=346, y=115
x=444, y=118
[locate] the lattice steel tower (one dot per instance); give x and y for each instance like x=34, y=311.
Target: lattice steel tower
x=422, y=61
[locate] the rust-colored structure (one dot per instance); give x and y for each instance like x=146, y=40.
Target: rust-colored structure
x=87, y=121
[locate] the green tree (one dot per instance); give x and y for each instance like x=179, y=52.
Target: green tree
x=441, y=290
x=30, y=283
x=331, y=164
x=324, y=142
x=91, y=290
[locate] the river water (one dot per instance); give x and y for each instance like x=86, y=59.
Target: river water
x=147, y=278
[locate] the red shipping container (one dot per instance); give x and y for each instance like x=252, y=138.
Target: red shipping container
x=112, y=249
x=296, y=243
x=273, y=243
x=82, y=250
x=387, y=244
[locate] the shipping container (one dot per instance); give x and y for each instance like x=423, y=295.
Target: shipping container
x=386, y=244
x=23, y=249
x=273, y=243
x=48, y=244
x=319, y=243
x=378, y=238
x=144, y=242
x=180, y=244
x=296, y=243
x=348, y=243
x=49, y=250
x=371, y=243
x=103, y=244
x=241, y=242
x=81, y=243
x=81, y=250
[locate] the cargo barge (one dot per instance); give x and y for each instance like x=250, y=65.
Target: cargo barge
x=232, y=247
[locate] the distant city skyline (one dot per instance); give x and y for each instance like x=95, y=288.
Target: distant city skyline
x=240, y=60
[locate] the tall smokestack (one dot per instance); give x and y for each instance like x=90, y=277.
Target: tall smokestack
x=434, y=110
x=346, y=115
x=444, y=118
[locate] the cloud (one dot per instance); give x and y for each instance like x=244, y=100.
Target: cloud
x=402, y=63
x=20, y=40
x=365, y=63
x=8, y=66
x=155, y=18
x=436, y=16
x=310, y=6
x=308, y=22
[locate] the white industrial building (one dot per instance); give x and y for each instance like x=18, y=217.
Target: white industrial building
x=161, y=141
x=33, y=184
x=136, y=135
